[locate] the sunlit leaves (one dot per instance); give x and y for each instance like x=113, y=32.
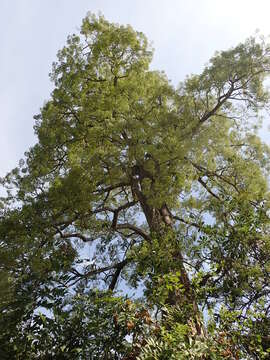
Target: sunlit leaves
x=169, y=190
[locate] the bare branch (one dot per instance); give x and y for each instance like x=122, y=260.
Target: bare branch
x=134, y=228
x=118, y=266
x=116, y=212
x=74, y=235
x=117, y=273
x=187, y=222
x=208, y=189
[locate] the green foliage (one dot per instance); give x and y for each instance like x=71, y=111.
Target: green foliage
x=179, y=341
x=92, y=325
x=136, y=185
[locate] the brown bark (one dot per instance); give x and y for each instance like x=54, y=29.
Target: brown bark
x=182, y=298
x=160, y=222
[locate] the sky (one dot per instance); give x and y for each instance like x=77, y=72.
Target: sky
x=184, y=33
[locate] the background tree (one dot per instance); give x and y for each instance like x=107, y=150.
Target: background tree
x=168, y=186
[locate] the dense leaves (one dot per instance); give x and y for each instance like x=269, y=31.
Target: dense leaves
x=137, y=186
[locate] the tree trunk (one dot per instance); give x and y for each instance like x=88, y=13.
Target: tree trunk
x=160, y=223
x=184, y=298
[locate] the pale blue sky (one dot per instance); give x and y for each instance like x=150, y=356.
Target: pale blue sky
x=185, y=34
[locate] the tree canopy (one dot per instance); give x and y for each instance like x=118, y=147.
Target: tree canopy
x=166, y=191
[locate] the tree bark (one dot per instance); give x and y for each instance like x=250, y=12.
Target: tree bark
x=183, y=298
x=160, y=222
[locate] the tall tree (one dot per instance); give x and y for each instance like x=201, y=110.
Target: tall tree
x=169, y=188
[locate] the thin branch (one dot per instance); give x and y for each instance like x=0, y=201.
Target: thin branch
x=134, y=228
x=208, y=189
x=221, y=100
x=74, y=235
x=93, y=272
x=187, y=222
x=120, y=208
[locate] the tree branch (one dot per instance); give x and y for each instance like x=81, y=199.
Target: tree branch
x=134, y=228
x=208, y=189
x=221, y=100
x=117, y=273
x=93, y=272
